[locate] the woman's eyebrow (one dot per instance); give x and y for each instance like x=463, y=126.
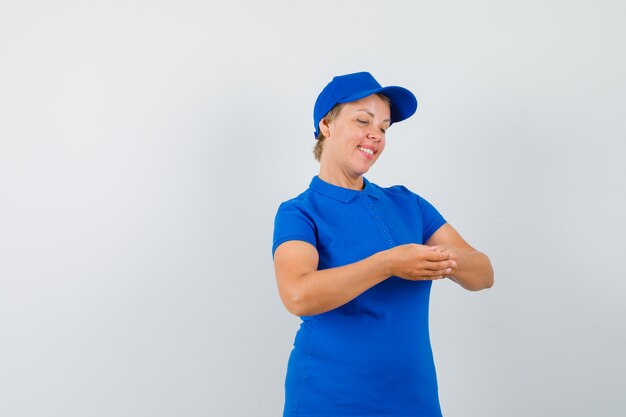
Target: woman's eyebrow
x=372, y=114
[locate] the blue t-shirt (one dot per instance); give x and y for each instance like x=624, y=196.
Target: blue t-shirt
x=371, y=356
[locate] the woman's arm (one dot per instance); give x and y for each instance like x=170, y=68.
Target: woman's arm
x=305, y=291
x=473, y=271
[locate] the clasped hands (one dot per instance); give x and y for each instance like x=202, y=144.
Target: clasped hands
x=422, y=262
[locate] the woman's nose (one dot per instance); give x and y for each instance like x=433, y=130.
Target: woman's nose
x=374, y=134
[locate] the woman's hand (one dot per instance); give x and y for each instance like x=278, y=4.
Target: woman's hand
x=474, y=271
x=455, y=254
x=420, y=262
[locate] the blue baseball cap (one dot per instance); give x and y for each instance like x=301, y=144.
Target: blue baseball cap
x=352, y=87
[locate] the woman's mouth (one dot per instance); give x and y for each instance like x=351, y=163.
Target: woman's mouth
x=368, y=153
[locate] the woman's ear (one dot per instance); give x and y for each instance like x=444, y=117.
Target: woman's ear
x=324, y=127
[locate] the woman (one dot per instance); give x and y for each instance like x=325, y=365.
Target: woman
x=356, y=262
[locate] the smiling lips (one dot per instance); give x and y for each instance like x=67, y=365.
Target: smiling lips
x=366, y=152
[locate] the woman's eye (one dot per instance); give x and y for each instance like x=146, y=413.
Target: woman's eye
x=364, y=122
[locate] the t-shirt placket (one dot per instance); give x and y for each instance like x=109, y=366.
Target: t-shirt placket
x=378, y=219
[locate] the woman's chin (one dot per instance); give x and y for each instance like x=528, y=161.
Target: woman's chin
x=363, y=168
x=359, y=172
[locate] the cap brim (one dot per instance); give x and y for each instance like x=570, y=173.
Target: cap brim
x=403, y=102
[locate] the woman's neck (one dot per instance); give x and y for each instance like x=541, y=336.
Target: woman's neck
x=340, y=178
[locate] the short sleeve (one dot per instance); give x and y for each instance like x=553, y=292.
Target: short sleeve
x=292, y=223
x=431, y=218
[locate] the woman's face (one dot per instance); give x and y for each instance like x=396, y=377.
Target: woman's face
x=356, y=137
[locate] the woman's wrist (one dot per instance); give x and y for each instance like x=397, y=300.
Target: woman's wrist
x=385, y=263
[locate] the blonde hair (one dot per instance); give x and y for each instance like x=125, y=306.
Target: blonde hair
x=330, y=116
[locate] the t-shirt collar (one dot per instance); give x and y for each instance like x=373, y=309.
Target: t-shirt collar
x=342, y=194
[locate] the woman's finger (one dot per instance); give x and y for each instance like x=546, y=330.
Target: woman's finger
x=440, y=266
x=432, y=278
x=435, y=256
x=438, y=272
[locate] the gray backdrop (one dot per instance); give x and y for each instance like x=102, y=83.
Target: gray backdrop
x=145, y=146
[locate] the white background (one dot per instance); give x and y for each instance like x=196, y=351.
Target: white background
x=145, y=147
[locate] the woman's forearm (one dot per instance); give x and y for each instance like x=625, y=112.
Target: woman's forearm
x=323, y=290
x=306, y=291
x=474, y=271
